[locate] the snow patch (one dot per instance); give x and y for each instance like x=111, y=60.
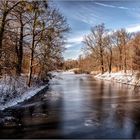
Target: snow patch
x=22, y=97
x=121, y=77
x=68, y=72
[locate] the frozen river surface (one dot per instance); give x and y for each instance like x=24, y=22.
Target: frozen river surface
x=76, y=106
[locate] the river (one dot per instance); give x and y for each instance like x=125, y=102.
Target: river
x=76, y=106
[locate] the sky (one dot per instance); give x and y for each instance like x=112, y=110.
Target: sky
x=81, y=15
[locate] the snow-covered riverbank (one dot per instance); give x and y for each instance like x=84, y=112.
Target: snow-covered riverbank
x=11, y=101
x=121, y=77
x=14, y=90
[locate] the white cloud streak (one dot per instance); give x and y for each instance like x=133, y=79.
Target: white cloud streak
x=74, y=41
x=133, y=28
x=112, y=6
x=105, y=5
x=76, y=38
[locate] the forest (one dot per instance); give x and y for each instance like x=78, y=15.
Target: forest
x=108, y=51
x=32, y=38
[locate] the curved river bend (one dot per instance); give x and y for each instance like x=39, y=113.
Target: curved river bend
x=76, y=106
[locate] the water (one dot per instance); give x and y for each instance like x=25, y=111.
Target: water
x=76, y=106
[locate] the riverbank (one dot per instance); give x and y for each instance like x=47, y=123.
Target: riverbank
x=121, y=77
x=21, y=97
x=14, y=90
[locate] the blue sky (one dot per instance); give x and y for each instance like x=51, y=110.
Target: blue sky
x=83, y=14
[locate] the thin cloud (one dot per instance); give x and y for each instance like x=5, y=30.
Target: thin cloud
x=133, y=28
x=68, y=45
x=72, y=54
x=125, y=8
x=105, y=5
x=112, y=6
x=74, y=41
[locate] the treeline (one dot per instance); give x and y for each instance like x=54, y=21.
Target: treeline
x=82, y=65
x=32, y=38
x=70, y=64
x=107, y=50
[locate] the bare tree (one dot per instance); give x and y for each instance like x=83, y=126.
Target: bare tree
x=96, y=43
x=47, y=36
x=120, y=40
x=136, y=57
x=53, y=40
x=109, y=52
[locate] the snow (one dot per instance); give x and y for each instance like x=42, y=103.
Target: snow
x=26, y=95
x=121, y=77
x=63, y=72
x=14, y=89
x=68, y=72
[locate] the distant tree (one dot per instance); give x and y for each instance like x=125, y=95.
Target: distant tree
x=136, y=57
x=109, y=52
x=121, y=39
x=95, y=42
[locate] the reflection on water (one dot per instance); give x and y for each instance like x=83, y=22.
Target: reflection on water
x=76, y=106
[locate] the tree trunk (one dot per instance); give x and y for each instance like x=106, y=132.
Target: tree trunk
x=31, y=68
x=20, y=50
x=125, y=65
x=102, y=62
x=110, y=62
x=32, y=51
x=120, y=61
x=2, y=28
x=31, y=60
